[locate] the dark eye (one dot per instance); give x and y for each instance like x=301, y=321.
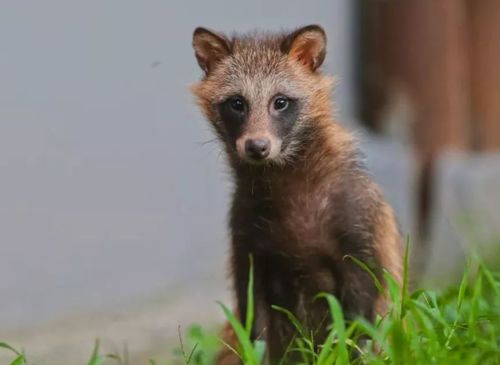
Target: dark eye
x=237, y=104
x=280, y=103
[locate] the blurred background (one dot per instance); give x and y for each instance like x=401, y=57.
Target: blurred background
x=113, y=202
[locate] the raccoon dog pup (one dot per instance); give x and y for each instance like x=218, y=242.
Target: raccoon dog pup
x=302, y=201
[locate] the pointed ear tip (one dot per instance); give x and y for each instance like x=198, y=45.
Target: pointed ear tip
x=314, y=28
x=198, y=31
x=204, y=34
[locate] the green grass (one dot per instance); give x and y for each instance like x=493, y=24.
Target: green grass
x=459, y=325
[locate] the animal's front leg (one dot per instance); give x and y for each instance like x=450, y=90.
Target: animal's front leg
x=281, y=337
x=241, y=279
x=239, y=265
x=358, y=293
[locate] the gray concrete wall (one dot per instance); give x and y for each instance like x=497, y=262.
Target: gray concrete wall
x=107, y=192
x=465, y=219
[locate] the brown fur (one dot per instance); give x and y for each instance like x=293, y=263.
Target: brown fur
x=301, y=214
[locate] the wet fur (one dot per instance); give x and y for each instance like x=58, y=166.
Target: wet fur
x=301, y=215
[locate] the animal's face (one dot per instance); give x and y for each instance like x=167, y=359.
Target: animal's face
x=262, y=93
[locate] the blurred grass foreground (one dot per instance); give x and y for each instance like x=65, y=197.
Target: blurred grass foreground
x=457, y=325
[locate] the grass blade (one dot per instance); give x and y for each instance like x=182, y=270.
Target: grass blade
x=6, y=346
x=404, y=290
x=296, y=323
x=249, y=357
x=95, y=359
x=339, y=327
x=18, y=360
x=365, y=267
x=250, y=299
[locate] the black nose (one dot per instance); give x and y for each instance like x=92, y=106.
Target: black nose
x=257, y=149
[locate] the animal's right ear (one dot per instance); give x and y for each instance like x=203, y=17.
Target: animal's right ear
x=210, y=48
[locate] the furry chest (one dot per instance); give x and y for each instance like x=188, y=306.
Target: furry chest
x=302, y=221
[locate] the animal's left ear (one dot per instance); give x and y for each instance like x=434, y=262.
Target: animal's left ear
x=307, y=46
